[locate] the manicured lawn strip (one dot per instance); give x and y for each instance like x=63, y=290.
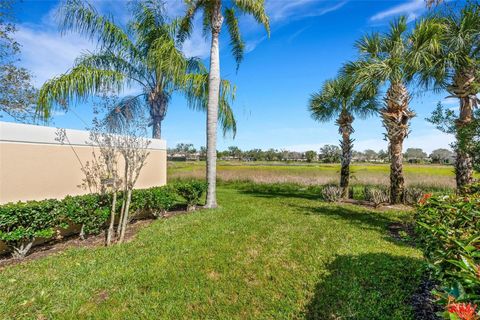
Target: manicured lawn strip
x=258, y=256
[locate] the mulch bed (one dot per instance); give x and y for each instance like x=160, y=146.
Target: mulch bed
x=422, y=301
x=57, y=246
x=382, y=207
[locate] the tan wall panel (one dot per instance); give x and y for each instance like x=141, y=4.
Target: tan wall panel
x=41, y=171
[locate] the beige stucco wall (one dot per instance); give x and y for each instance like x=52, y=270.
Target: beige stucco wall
x=34, y=166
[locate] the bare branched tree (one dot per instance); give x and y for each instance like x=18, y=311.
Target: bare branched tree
x=134, y=149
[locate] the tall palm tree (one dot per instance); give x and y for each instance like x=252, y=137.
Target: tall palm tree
x=341, y=99
x=394, y=58
x=144, y=54
x=214, y=14
x=457, y=70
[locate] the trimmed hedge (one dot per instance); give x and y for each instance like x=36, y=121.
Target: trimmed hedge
x=191, y=191
x=449, y=234
x=23, y=222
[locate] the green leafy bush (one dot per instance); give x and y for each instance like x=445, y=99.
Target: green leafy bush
x=23, y=222
x=473, y=188
x=449, y=234
x=157, y=200
x=191, y=191
x=90, y=211
x=413, y=195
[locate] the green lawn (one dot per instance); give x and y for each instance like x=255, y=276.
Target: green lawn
x=265, y=254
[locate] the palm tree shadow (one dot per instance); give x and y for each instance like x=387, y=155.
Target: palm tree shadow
x=363, y=218
x=367, y=286
x=281, y=191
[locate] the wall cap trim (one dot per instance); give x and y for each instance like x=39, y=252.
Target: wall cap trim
x=11, y=132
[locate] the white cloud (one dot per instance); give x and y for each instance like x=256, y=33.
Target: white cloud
x=196, y=45
x=412, y=9
x=47, y=53
x=296, y=34
x=280, y=10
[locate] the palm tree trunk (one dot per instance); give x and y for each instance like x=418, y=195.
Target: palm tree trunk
x=212, y=109
x=396, y=116
x=156, y=128
x=345, y=128
x=158, y=108
x=462, y=89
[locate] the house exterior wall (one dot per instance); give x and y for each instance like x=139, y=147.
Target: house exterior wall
x=34, y=166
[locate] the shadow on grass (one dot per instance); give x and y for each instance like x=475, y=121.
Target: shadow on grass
x=363, y=217
x=276, y=190
x=368, y=286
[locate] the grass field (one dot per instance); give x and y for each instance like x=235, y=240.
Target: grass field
x=438, y=176
x=265, y=254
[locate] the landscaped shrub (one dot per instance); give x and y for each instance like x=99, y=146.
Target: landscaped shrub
x=331, y=193
x=473, y=188
x=23, y=222
x=157, y=200
x=90, y=211
x=191, y=191
x=413, y=195
x=376, y=195
x=449, y=234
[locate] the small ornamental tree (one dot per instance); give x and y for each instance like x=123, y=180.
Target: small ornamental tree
x=134, y=151
x=108, y=145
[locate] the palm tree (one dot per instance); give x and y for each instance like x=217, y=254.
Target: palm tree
x=214, y=14
x=394, y=59
x=145, y=55
x=456, y=70
x=341, y=99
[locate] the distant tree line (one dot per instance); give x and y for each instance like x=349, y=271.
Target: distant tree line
x=327, y=154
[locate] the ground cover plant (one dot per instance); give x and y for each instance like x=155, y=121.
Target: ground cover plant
x=449, y=233
x=267, y=252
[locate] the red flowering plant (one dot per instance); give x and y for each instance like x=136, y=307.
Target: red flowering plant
x=425, y=198
x=448, y=229
x=462, y=311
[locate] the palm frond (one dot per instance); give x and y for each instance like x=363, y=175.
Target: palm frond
x=167, y=60
x=236, y=42
x=342, y=95
x=369, y=45
x=80, y=83
x=82, y=17
x=257, y=9
x=106, y=60
x=326, y=104
x=127, y=110
x=195, y=91
x=186, y=23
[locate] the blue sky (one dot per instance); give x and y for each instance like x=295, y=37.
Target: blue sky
x=310, y=40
